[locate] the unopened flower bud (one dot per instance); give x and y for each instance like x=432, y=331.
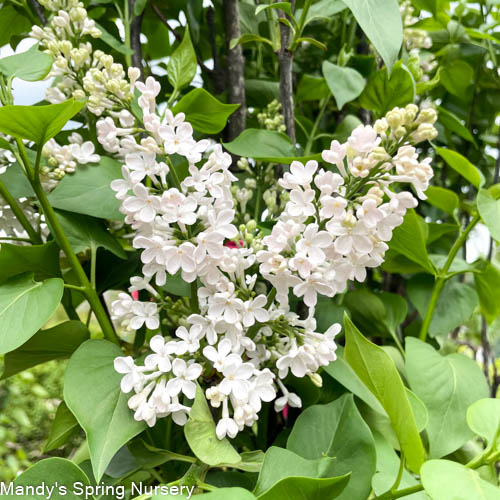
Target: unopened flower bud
x=316, y=379
x=400, y=132
x=381, y=126
x=427, y=115
x=395, y=118
x=250, y=183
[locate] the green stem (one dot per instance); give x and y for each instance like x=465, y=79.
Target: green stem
x=312, y=135
x=270, y=297
x=88, y=290
x=195, y=306
x=400, y=474
x=477, y=462
x=402, y=493
x=126, y=25
x=93, y=264
x=258, y=195
x=11, y=238
x=61, y=239
x=74, y=287
x=443, y=276
x=173, y=174
x=20, y=216
x=207, y=487
x=303, y=18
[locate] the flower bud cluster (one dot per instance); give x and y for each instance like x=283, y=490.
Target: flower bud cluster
x=271, y=117
x=80, y=71
x=414, y=38
x=407, y=124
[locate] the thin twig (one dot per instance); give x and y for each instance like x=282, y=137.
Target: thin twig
x=236, y=67
x=135, y=38
x=178, y=37
x=218, y=73
x=286, y=77
x=39, y=12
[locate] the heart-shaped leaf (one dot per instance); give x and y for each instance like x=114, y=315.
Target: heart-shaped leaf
x=25, y=306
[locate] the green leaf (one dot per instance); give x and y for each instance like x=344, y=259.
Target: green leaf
x=200, y=435
x=298, y=488
x=177, y=286
x=323, y=9
x=32, y=65
x=462, y=165
x=483, y=418
x=396, y=309
x=64, y=427
x=445, y=318
x=487, y=287
x=312, y=88
x=447, y=385
x=115, y=44
x=378, y=372
x=205, y=113
x=445, y=480
x=337, y=430
x=442, y=198
x=92, y=393
x=284, y=6
x=37, y=123
x=12, y=23
x=88, y=190
x=287, y=475
x=273, y=146
x=345, y=127
x=436, y=232
x=326, y=313
x=58, y=342
x=312, y=41
x=83, y=232
x=16, y=181
x=425, y=86
x=381, y=22
x=382, y=93
x=25, y=306
x=453, y=124
x=182, y=64
x=219, y=494
x=259, y=91
x=139, y=7
x=341, y=371
x=248, y=38
x=345, y=83
x=409, y=240
x=489, y=210
x=57, y=473
x=43, y=260
x=456, y=77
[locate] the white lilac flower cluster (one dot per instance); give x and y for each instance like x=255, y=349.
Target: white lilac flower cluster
x=241, y=339
x=336, y=225
x=79, y=70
